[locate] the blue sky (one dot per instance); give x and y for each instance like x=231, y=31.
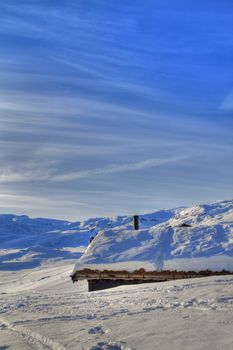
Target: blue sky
x=114, y=107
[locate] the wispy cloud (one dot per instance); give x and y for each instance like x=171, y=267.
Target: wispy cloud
x=48, y=174
x=116, y=168
x=78, y=106
x=27, y=173
x=27, y=201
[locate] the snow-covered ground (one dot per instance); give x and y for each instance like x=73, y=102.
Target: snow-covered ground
x=191, y=239
x=41, y=309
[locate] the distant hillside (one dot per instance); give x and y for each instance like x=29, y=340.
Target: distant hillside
x=26, y=242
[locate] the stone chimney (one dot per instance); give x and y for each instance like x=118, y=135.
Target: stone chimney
x=136, y=222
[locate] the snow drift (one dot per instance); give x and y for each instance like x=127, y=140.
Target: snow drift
x=190, y=239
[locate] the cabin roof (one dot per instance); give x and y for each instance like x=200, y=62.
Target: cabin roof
x=194, y=239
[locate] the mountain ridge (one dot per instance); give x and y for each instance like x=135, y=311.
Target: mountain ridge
x=29, y=242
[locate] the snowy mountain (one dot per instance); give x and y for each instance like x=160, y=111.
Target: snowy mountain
x=190, y=239
x=26, y=242
x=166, y=239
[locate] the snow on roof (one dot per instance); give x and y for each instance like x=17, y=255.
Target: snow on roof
x=190, y=239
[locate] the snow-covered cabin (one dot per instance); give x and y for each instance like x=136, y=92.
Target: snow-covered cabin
x=190, y=242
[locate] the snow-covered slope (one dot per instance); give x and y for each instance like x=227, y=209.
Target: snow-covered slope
x=196, y=238
x=26, y=242
x=161, y=242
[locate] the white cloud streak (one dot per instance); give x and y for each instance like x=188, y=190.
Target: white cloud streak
x=50, y=175
x=26, y=201
x=116, y=168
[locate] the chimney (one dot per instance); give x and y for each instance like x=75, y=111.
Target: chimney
x=136, y=222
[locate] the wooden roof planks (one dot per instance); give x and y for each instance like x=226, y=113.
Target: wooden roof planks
x=141, y=275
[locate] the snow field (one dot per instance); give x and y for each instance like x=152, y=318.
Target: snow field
x=55, y=314
x=40, y=308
